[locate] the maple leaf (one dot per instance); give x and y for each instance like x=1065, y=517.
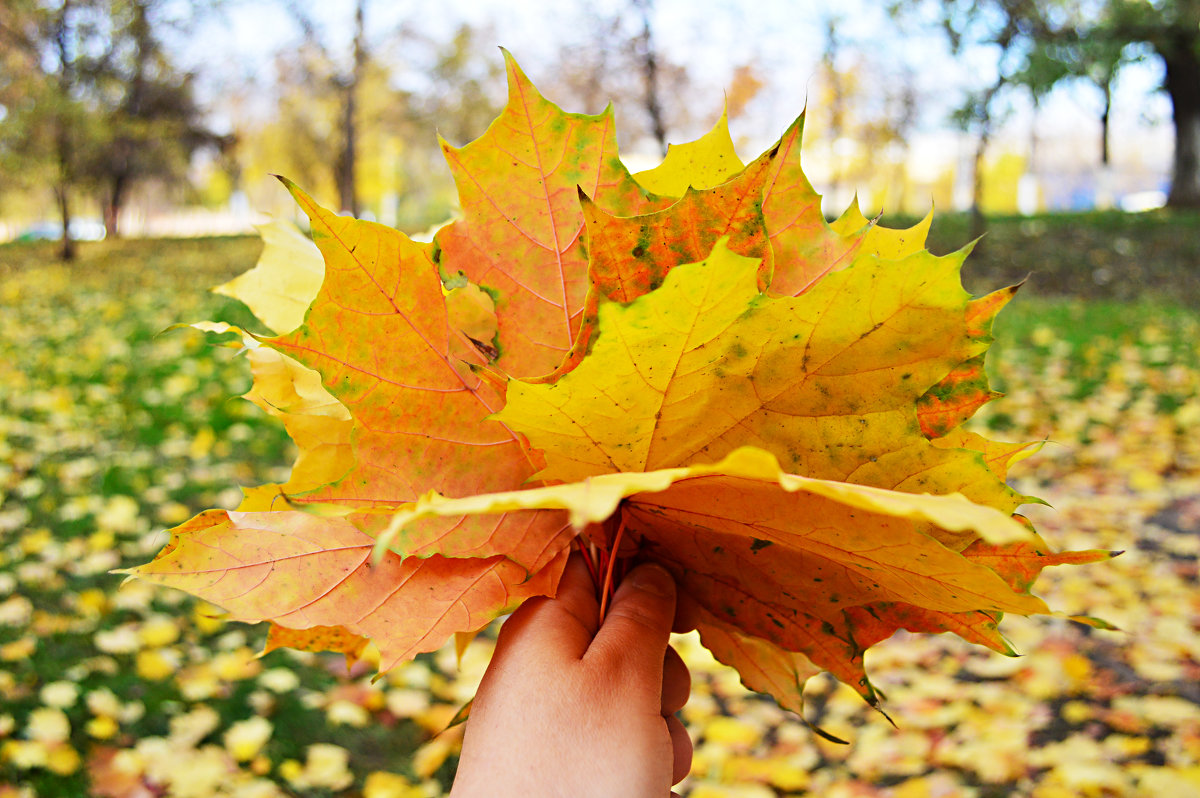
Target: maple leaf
x=690, y=366
x=320, y=426
x=386, y=287
x=303, y=571
x=421, y=415
x=806, y=247
x=322, y=430
x=704, y=163
x=767, y=210
x=644, y=400
x=709, y=363
x=521, y=221
x=285, y=280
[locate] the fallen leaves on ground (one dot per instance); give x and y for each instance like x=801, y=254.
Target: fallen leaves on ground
x=111, y=432
x=102, y=416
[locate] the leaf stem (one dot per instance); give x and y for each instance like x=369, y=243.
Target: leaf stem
x=607, y=589
x=588, y=560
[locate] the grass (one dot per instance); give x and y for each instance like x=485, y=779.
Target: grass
x=1095, y=256
x=112, y=430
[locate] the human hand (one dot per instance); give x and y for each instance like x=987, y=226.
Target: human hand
x=570, y=707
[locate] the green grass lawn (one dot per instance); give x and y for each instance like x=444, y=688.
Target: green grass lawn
x=1096, y=256
x=112, y=430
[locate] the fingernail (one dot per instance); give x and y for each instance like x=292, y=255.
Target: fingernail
x=653, y=578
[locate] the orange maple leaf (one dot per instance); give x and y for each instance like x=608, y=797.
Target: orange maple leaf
x=520, y=233
x=304, y=571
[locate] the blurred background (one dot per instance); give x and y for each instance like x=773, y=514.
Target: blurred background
x=166, y=117
x=1068, y=131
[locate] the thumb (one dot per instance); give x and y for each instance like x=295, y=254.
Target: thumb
x=635, y=633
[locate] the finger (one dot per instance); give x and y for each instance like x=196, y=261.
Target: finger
x=687, y=613
x=634, y=635
x=681, y=749
x=677, y=683
x=565, y=623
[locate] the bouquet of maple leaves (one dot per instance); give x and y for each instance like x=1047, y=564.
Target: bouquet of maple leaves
x=688, y=365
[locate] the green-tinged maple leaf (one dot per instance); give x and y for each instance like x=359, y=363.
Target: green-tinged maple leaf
x=704, y=163
x=521, y=223
x=826, y=381
x=998, y=456
x=699, y=371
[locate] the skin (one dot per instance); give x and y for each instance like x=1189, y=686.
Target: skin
x=572, y=707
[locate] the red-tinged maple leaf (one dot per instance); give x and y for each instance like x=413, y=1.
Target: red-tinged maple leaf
x=304, y=571
x=715, y=379
x=631, y=255
x=1019, y=563
x=317, y=638
x=965, y=389
x=806, y=245
x=777, y=556
x=521, y=223
x=318, y=424
x=955, y=399
x=381, y=426
x=738, y=367
x=421, y=415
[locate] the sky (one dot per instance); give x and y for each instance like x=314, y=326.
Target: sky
x=783, y=38
x=709, y=37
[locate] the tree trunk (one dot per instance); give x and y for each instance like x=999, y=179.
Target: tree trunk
x=985, y=121
x=347, y=190
x=978, y=222
x=1105, y=115
x=67, y=249
x=112, y=206
x=347, y=163
x=63, y=144
x=1182, y=59
x=122, y=153
x=649, y=57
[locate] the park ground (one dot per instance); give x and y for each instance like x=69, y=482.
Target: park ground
x=112, y=430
